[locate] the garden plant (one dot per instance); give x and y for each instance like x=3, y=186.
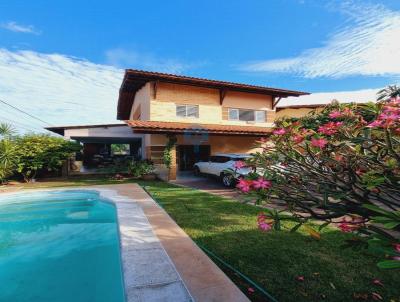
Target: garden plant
x=340, y=167
x=28, y=154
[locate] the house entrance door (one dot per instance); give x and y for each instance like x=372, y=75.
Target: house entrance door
x=188, y=155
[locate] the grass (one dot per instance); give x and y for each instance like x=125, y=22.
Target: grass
x=274, y=260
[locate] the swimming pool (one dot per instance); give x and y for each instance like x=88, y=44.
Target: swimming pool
x=59, y=246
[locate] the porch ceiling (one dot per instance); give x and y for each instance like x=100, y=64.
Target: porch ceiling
x=189, y=128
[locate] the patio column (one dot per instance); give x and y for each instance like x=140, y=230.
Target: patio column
x=172, y=170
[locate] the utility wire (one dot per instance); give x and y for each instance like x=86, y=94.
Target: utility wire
x=18, y=116
x=20, y=110
x=21, y=125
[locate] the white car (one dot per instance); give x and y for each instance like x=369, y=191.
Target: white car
x=219, y=165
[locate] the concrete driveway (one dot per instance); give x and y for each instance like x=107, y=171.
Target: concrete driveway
x=206, y=183
x=214, y=185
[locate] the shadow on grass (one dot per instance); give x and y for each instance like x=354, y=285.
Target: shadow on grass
x=275, y=259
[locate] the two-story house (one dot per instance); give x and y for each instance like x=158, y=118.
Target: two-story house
x=203, y=116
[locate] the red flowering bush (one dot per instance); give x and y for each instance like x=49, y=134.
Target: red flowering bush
x=340, y=166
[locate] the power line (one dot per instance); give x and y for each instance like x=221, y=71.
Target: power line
x=20, y=110
x=21, y=125
x=10, y=112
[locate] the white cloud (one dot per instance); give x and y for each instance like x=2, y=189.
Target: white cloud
x=57, y=88
x=15, y=27
x=368, y=44
x=356, y=96
x=120, y=57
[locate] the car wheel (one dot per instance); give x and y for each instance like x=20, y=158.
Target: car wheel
x=196, y=171
x=228, y=180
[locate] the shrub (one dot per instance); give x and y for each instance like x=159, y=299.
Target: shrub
x=7, y=159
x=7, y=152
x=35, y=152
x=140, y=168
x=341, y=166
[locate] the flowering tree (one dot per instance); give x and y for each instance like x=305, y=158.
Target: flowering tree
x=340, y=166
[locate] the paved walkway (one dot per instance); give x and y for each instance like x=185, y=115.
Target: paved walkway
x=205, y=281
x=149, y=274
x=160, y=261
x=213, y=185
x=208, y=184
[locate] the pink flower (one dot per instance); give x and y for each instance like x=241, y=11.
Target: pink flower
x=298, y=138
x=389, y=116
x=335, y=114
x=239, y=164
x=375, y=123
x=261, y=183
x=345, y=227
x=376, y=297
x=244, y=185
x=263, y=225
x=377, y=282
x=319, y=142
x=300, y=278
x=397, y=247
x=396, y=258
x=330, y=128
x=280, y=131
x=350, y=224
x=250, y=290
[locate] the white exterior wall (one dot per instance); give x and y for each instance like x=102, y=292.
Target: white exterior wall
x=122, y=131
x=119, y=131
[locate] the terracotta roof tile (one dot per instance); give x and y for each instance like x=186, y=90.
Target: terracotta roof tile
x=135, y=79
x=176, y=127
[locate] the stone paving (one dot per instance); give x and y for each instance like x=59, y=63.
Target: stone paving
x=208, y=184
x=149, y=273
x=203, y=278
x=160, y=261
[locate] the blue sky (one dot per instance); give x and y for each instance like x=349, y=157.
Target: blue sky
x=63, y=59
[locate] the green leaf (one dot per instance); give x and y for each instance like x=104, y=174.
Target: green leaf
x=376, y=209
x=391, y=225
x=296, y=227
x=324, y=225
x=389, y=264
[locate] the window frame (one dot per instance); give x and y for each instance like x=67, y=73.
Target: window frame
x=186, y=110
x=255, y=120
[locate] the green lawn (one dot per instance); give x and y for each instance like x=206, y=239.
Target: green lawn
x=275, y=259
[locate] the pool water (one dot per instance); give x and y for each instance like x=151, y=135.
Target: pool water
x=59, y=246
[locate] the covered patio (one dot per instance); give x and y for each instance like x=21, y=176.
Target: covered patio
x=194, y=142
x=105, y=148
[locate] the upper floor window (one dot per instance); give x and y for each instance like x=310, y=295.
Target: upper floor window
x=187, y=111
x=247, y=115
